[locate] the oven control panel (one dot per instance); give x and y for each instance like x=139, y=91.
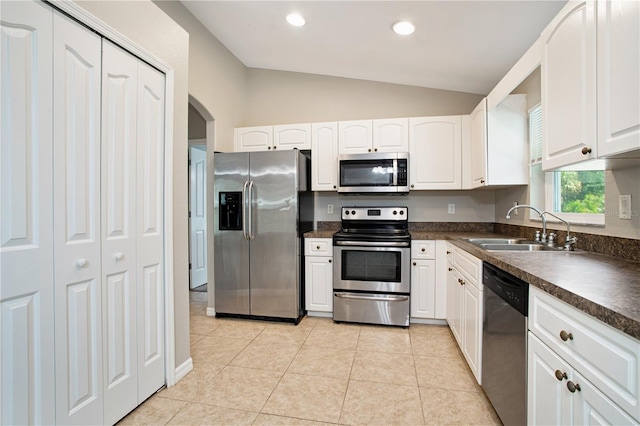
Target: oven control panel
x=375, y=213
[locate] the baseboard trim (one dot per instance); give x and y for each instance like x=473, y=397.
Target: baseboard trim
x=183, y=369
x=211, y=312
x=428, y=321
x=320, y=314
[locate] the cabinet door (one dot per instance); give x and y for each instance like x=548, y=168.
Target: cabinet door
x=391, y=135
x=324, y=157
x=319, y=283
x=355, y=137
x=618, y=77
x=435, y=145
x=472, y=328
x=441, y=279
x=423, y=288
x=253, y=138
x=548, y=400
x=118, y=237
x=26, y=234
x=478, y=151
x=76, y=195
x=569, y=86
x=454, y=303
x=592, y=407
x=292, y=136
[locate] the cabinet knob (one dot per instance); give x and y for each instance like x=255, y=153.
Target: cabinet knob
x=450, y=269
x=566, y=336
x=317, y=247
x=329, y=260
x=413, y=186
x=448, y=252
x=481, y=180
x=119, y=256
x=586, y=150
x=369, y=150
x=334, y=187
x=82, y=262
x=461, y=281
x=275, y=147
x=561, y=375
x=375, y=149
x=573, y=387
x=423, y=249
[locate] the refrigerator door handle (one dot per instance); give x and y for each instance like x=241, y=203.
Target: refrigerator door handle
x=251, y=236
x=245, y=235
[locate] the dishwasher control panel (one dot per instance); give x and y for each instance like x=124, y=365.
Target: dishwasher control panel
x=508, y=287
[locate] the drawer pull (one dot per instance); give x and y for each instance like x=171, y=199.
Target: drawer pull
x=317, y=247
x=561, y=375
x=461, y=281
x=566, y=336
x=423, y=249
x=573, y=387
x=586, y=150
x=414, y=263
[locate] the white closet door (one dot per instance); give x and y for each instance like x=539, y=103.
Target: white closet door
x=77, y=276
x=197, y=216
x=118, y=205
x=26, y=234
x=150, y=230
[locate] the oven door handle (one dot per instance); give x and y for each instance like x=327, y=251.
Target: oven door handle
x=372, y=243
x=376, y=298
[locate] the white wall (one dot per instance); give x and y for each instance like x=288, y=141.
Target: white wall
x=151, y=29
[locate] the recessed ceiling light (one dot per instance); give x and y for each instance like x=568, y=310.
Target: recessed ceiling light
x=403, y=28
x=295, y=20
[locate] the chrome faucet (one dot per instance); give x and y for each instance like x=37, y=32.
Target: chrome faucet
x=543, y=237
x=570, y=241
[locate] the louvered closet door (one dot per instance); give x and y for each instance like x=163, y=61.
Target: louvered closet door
x=150, y=230
x=26, y=233
x=76, y=193
x=118, y=236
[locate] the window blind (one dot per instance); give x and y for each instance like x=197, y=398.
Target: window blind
x=535, y=135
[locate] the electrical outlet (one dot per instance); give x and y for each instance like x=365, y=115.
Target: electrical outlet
x=624, y=205
x=515, y=212
x=452, y=209
x=329, y=208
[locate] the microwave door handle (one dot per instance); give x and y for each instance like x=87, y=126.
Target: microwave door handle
x=251, y=235
x=395, y=172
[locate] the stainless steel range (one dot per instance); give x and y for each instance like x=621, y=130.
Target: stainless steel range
x=371, y=278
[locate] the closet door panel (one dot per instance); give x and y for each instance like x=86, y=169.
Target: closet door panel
x=77, y=275
x=26, y=230
x=118, y=237
x=150, y=230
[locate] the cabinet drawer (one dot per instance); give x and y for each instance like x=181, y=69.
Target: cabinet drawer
x=423, y=249
x=468, y=265
x=318, y=247
x=605, y=356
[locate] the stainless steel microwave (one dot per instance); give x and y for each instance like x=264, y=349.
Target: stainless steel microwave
x=384, y=172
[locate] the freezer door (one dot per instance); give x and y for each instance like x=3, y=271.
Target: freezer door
x=275, y=253
x=231, y=249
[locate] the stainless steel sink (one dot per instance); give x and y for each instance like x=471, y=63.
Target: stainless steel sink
x=479, y=241
x=511, y=244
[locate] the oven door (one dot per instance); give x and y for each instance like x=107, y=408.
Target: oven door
x=370, y=267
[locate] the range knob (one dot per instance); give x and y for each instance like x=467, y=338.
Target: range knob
x=346, y=212
x=395, y=212
x=353, y=212
x=401, y=212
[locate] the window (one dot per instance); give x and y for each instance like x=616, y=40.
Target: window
x=575, y=196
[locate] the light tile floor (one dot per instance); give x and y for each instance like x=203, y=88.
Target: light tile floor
x=262, y=373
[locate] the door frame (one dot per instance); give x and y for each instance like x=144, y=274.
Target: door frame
x=88, y=19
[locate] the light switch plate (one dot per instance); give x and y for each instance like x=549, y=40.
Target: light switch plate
x=452, y=209
x=624, y=209
x=329, y=208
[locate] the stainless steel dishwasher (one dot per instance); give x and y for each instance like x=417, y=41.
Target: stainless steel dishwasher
x=504, y=344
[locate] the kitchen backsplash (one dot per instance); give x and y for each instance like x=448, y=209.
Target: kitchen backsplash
x=623, y=248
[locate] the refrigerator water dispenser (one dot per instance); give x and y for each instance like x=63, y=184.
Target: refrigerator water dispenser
x=230, y=211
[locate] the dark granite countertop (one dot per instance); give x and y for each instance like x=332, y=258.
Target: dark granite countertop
x=605, y=287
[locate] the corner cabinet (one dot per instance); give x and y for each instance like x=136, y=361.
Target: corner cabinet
x=324, y=164
x=569, y=86
x=580, y=370
x=436, y=152
x=465, y=305
x=266, y=138
x=618, y=55
x=318, y=276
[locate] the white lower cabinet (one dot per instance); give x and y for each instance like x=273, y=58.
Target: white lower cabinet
x=580, y=370
x=465, y=305
x=318, y=276
x=428, y=279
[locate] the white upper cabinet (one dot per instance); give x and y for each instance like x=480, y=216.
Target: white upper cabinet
x=618, y=54
x=391, y=135
x=290, y=136
x=569, y=86
x=324, y=157
x=499, y=147
x=266, y=138
x=355, y=137
x=435, y=152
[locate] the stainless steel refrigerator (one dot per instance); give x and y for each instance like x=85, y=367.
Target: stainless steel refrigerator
x=263, y=204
